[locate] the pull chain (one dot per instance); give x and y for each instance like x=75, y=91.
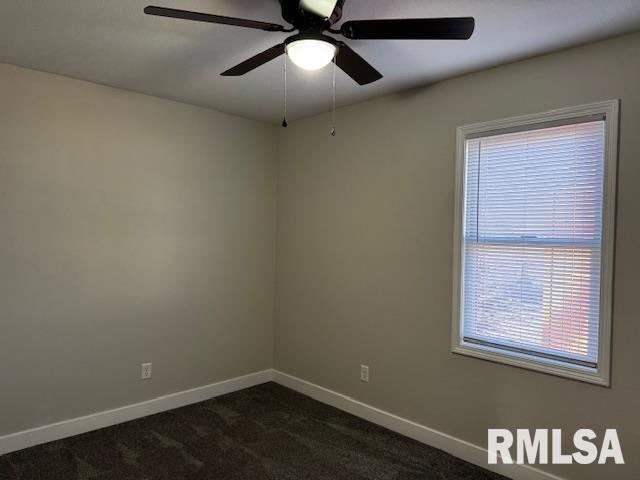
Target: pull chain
x=284, y=122
x=333, y=110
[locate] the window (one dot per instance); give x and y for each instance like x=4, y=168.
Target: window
x=534, y=241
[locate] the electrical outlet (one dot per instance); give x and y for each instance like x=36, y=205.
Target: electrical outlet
x=364, y=373
x=146, y=371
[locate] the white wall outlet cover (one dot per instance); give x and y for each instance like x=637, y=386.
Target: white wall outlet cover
x=145, y=371
x=364, y=373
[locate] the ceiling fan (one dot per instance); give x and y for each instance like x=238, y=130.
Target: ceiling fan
x=312, y=49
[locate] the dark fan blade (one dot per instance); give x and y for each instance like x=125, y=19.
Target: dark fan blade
x=355, y=66
x=410, y=29
x=255, y=62
x=205, y=17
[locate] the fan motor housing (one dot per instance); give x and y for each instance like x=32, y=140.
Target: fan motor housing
x=293, y=13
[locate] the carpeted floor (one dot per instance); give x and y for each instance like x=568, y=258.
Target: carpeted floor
x=265, y=432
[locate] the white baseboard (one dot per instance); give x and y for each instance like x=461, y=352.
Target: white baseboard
x=76, y=426
x=459, y=448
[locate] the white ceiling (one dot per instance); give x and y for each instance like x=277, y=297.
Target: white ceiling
x=113, y=43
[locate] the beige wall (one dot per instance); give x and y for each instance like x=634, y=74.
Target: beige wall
x=132, y=229
x=365, y=226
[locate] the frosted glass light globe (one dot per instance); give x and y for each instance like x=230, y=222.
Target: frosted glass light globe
x=311, y=54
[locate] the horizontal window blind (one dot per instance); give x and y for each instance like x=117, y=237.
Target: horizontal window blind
x=532, y=241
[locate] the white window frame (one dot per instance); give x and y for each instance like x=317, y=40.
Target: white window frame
x=609, y=110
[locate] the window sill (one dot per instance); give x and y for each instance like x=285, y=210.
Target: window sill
x=583, y=374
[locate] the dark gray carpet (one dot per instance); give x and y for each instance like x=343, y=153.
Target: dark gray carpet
x=263, y=433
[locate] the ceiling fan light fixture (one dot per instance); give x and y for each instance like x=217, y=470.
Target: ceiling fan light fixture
x=311, y=54
x=311, y=49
